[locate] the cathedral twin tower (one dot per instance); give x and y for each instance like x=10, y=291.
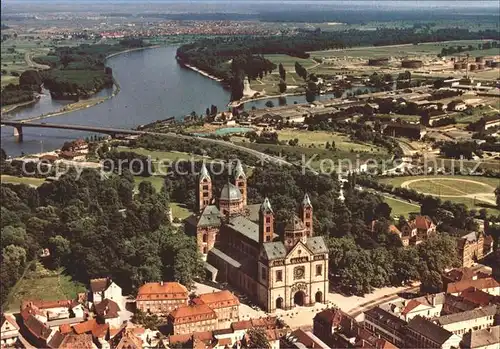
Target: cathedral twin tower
x=233, y=202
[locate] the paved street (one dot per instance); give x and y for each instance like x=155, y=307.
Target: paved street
x=303, y=316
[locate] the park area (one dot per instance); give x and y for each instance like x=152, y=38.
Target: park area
x=42, y=284
x=432, y=48
x=31, y=181
x=474, y=191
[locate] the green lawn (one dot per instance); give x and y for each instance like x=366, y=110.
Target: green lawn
x=162, y=155
x=289, y=61
x=156, y=181
x=22, y=180
x=43, y=284
x=397, y=181
x=179, y=211
x=438, y=186
x=315, y=157
x=403, y=50
x=319, y=139
x=399, y=207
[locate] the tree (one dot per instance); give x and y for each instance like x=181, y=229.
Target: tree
x=188, y=266
x=431, y=282
x=497, y=195
x=257, y=339
x=282, y=72
x=310, y=96
x=13, y=236
x=383, y=210
x=59, y=249
x=270, y=104
x=282, y=86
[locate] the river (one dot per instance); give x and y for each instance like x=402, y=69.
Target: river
x=153, y=86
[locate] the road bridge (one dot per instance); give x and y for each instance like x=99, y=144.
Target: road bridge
x=20, y=125
x=113, y=132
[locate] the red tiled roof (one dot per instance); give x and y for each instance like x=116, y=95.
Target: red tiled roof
x=11, y=319
x=179, y=338
x=73, y=341
x=393, y=229
x=241, y=325
x=477, y=297
x=40, y=304
x=224, y=341
x=49, y=157
x=65, y=328
x=423, y=222
x=107, y=309
x=204, y=336
x=167, y=290
x=267, y=322
x=459, y=274
x=383, y=344
x=460, y=286
x=99, y=285
x=191, y=313
x=410, y=306
x=56, y=340
x=91, y=326
x=37, y=328
x=331, y=316
x=126, y=339
x=217, y=300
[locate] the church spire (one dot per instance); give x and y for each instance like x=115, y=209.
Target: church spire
x=306, y=202
x=204, y=188
x=266, y=222
x=266, y=206
x=204, y=172
x=306, y=212
x=240, y=180
x=238, y=171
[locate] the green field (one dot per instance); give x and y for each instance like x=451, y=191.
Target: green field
x=474, y=191
x=178, y=209
x=162, y=155
x=315, y=157
x=15, y=53
x=289, y=61
x=156, y=181
x=319, y=139
x=449, y=187
x=22, y=180
x=399, y=207
x=397, y=181
x=397, y=50
x=43, y=284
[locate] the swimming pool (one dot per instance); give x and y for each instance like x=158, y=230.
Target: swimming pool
x=229, y=130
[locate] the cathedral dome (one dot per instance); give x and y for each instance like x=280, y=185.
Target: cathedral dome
x=230, y=192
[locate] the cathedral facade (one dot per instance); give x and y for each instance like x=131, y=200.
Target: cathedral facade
x=240, y=246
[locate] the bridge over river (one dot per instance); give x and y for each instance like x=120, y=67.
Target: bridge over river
x=113, y=132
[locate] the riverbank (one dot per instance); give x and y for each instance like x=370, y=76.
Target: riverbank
x=13, y=107
x=81, y=104
x=199, y=71
x=131, y=50
x=240, y=102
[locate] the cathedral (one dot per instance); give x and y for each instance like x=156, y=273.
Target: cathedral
x=240, y=246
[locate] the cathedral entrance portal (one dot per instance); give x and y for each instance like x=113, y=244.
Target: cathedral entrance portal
x=279, y=303
x=299, y=298
x=318, y=297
